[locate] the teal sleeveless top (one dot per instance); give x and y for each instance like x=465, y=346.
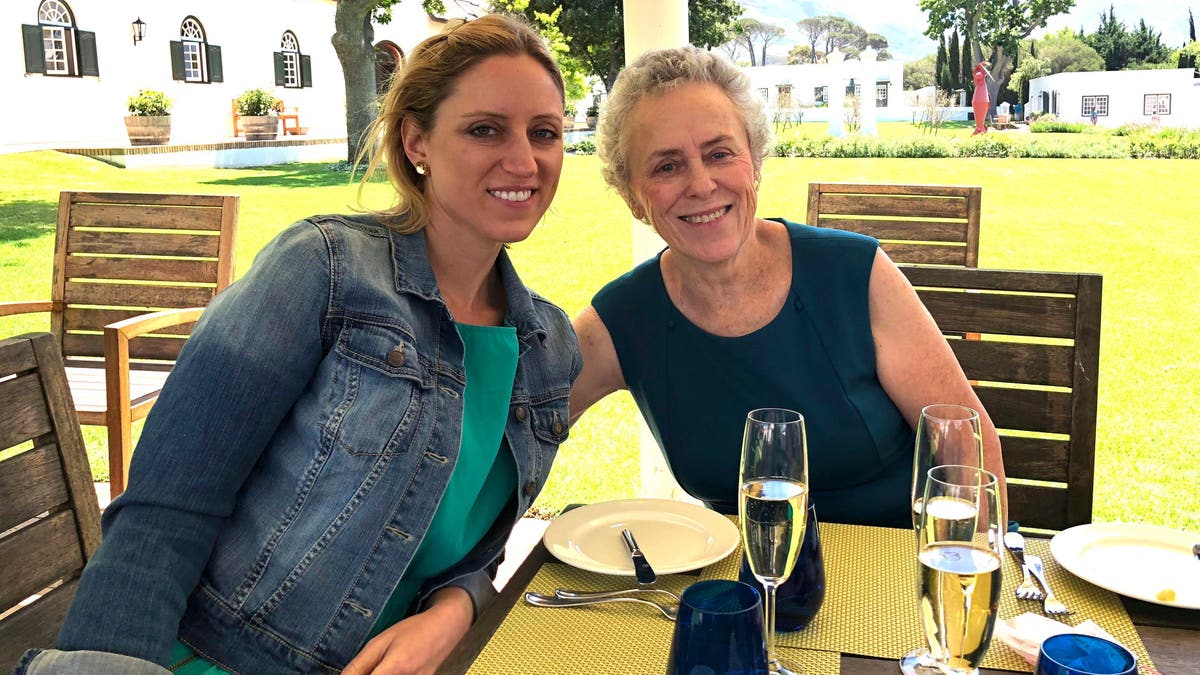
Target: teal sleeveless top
x=483, y=481
x=817, y=356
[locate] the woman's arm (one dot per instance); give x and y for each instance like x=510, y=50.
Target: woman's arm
x=251, y=355
x=601, y=373
x=421, y=642
x=915, y=363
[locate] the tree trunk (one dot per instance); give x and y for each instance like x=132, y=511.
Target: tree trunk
x=353, y=41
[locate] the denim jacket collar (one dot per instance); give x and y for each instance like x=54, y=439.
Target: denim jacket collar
x=414, y=275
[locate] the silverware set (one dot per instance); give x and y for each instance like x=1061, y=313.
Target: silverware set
x=1032, y=565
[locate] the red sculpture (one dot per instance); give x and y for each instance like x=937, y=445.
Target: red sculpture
x=981, y=101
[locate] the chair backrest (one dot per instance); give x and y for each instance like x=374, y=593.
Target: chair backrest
x=1032, y=351
x=49, y=516
x=915, y=224
x=120, y=255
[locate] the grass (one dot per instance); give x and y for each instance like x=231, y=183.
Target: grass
x=1127, y=219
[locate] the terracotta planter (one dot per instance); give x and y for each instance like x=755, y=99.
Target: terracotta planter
x=147, y=130
x=256, y=128
x=591, y=121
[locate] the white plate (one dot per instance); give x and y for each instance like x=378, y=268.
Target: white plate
x=1132, y=559
x=675, y=536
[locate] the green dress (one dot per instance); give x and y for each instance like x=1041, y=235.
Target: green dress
x=484, y=479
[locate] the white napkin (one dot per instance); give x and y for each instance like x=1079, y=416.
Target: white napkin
x=1025, y=633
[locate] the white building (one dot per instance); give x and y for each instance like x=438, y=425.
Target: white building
x=70, y=75
x=806, y=86
x=1165, y=97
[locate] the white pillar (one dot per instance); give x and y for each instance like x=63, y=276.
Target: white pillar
x=653, y=24
x=837, y=95
x=866, y=103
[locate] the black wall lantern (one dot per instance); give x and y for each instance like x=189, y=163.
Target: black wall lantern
x=138, y=28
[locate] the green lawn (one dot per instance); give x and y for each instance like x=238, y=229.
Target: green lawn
x=1131, y=220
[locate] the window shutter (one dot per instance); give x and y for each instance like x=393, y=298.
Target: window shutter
x=280, y=78
x=177, y=60
x=35, y=57
x=87, y=53
x=216, y=70
x=305, y=70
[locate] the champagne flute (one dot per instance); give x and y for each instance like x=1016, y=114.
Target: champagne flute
x=961, y=534
x=773, y=504
x=946, y=434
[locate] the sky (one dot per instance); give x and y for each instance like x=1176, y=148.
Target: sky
x=903, y=22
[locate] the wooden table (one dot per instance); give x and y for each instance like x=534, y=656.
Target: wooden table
x=1171, y=635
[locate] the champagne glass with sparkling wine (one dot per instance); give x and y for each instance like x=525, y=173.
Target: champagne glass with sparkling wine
x=946, y=434
x=773, y=504
x=959, y=560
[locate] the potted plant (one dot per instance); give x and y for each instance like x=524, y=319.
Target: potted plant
x=149, y=118
x=593, y=113
x=257, y=108
x=569, y=113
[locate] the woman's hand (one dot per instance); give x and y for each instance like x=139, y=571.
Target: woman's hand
x=419, y=643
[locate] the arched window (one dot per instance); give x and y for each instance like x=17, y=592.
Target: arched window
x=292, y=69
x=388, y=59
x=55, y=46
x=193, y=58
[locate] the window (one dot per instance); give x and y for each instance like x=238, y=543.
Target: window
x=291, y=67
x=765, y=94
x=388, y=59
x=1095, y=105
x=881, y=94
x=783, y=99
x=1156, y=104
x=193, y=58
x=54, y=46
x=820, y=94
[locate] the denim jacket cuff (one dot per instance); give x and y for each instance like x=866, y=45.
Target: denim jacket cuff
x=84, y=662
x=477, y=584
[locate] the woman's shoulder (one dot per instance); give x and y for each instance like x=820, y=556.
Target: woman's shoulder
x=644, y=277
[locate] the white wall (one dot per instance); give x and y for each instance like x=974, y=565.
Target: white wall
x=1126, y=90
x=805, y=78
x=89, y=111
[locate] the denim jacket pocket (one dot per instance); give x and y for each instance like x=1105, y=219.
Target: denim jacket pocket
x=550, y=421
x=379, y=390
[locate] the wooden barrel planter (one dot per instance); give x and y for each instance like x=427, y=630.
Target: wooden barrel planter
x=256, y=128
x=147, y=129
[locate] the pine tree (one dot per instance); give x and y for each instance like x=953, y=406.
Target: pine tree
x=1191, y=26
x=952, y=55
x=940, y=69
x=966, y=81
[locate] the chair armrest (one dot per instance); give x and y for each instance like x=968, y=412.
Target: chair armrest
x=146, y=323
x=11, y=308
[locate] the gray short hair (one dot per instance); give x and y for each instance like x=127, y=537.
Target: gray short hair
x=662, y=70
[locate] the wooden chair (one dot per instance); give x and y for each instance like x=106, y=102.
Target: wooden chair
x=915, y=224
x=49, y=516
x=131, y=266
x=1034, y=367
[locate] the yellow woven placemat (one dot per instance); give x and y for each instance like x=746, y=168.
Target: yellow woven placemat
x=610, y=638
x=870, y=604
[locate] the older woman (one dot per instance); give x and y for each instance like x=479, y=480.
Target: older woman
x=741, y=312
x=355, y=426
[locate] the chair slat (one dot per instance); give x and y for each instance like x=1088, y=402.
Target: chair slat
x=24, y=408
x=83, y=319
x=142, y=243
x=1039, y=507
x=888, y=228
x=1030, y=315
x=145, y=347
x=1044, y=459
x=925, y=254
x=32, y=483
x=893, y=205
x=147, y=198
x=963, y=191
x=37, y=556
x=158, y=217
x=34, y=626
x=1015, y=362
x=150, y=298
x=140, y=269
x=1027, y=409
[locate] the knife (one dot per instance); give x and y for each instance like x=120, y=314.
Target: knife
x=641, y=568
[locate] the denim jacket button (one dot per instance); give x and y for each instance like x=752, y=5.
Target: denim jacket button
x=521, y=413
x=530, y=489
x=395, y=358
x=558, y=428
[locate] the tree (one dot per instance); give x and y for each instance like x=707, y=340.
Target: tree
x=1031, y=68
x=756, y=33
x=953, y=54
x=812, y=28
x=993, y=28
x=595, y=29
x=799, y=54
x=354, y=43
x=1146, y=46
x=1191, y=26
x=966, y=78
x=939, y=67
x=573, y=71
x=919, y=74
x=1110, y=40
x=1064, y=52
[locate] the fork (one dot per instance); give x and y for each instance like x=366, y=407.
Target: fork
x=589, y=595
x=1027, y=590
x=554, y=601
x=1052, y=604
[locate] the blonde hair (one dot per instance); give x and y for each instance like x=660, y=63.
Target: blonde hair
x=660, y=71
x=425, y=81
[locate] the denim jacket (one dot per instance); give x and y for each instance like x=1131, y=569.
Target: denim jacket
x=299, y=450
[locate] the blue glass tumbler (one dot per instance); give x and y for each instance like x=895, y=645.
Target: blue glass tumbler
x=719, y=630
x=797, y=599
x=1074, y=654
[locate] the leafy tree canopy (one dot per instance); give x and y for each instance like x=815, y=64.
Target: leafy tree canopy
x=1122, y=48
x=827, y=33
x=919, y=74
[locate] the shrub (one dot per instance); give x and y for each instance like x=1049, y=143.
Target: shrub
x=149, y=103
x=1044, y=126
x=258, y=103
x=584, y=147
